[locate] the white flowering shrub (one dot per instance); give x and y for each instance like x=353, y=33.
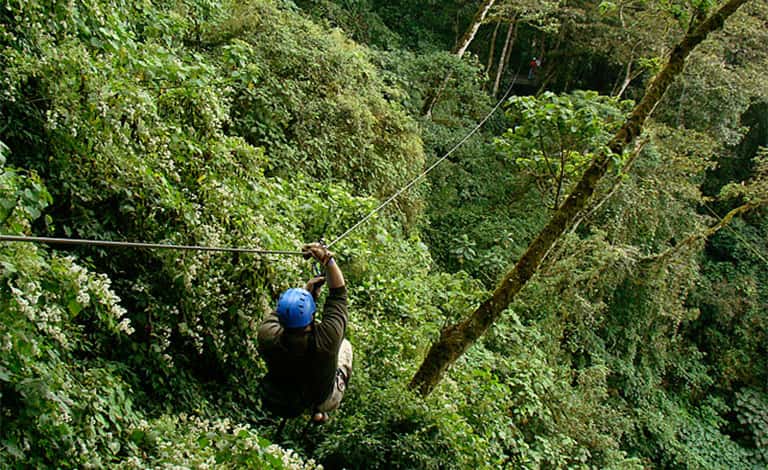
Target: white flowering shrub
x=210, y=123
x=53, y=310
x=174, y=442
x=140, y=137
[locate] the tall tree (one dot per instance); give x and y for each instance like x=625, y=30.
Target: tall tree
x=508, y=42
x=469, y=34
x=492, y=47
x=456, y=339
x=458, y=50
x=524, y=15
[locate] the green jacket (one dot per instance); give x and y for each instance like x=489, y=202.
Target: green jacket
x=303, y=364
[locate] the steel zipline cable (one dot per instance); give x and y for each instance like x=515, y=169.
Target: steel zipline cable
x=169, y=246
x=431, y=167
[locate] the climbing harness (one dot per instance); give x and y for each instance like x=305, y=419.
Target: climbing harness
x=169, y=246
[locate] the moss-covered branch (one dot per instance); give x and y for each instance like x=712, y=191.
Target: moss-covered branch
x=456, y=339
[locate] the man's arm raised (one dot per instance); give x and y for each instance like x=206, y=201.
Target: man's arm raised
x=324, y=256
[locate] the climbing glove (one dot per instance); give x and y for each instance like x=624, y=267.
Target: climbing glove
x=315, y=250
x=314, y=285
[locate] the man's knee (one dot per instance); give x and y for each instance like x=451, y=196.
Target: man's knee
x=344, y=364
x=345, y=357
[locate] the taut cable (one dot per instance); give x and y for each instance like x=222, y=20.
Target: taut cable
x=161, y=246
x=431, y=167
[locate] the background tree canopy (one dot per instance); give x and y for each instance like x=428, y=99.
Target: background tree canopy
x=642, y=340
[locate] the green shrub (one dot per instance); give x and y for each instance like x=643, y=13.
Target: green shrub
x=62, y=405
x=195, y=442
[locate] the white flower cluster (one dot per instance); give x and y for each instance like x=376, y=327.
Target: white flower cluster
x=197, y=338
x=47, y=316
x=290, y=459
x=52, y=119
x=8, y=86
x=51, y=308
x=193, y=332
x=193, y=442
x=162, y=335
x=98, y=286
x=7, y=344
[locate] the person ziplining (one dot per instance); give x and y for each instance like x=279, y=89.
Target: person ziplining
x=309, y=361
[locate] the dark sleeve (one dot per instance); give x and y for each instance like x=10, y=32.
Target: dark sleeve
x=330, y=332
x=269, y=331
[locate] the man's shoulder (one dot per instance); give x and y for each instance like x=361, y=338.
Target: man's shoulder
x=270, y=329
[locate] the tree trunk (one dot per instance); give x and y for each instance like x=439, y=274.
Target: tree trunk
x=550, y=69
x=434, y=94
x=461, y=47
x=628, y=77
x=503, y=59
x=469, y=34
x=456, y=339
x=492, y=48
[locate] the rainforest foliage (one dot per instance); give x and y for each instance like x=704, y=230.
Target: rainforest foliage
x=641, y=342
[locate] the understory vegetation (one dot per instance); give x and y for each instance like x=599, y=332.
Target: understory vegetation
x=642, y=341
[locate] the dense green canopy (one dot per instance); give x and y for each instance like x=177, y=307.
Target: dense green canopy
x=641, y=341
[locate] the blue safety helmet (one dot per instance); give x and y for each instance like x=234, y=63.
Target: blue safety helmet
x=296, y=308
